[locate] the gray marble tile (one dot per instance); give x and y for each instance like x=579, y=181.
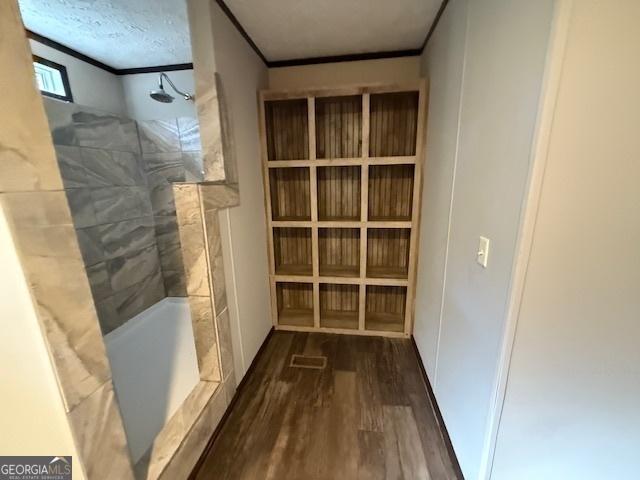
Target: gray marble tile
x=166, y=177
x=99, y=282
x=100, y=437
x=60, y=118
x=114, y=204
x=171, y=257
x=72, y=169
x=193, y=168
x=125, y=271
x=134, y=163
x=98, y=166
x=163, y=168
x=97, y=129
x=224, y=342
x=90, y=242
x=174, y=283
x=159, y=136
x=166, y=230
x=145, y=200
x=111, y=168
x=81, y=206
x=189, y=129
x=108, y=315
x=133, y=300
x=162, y=200
x=126, y=237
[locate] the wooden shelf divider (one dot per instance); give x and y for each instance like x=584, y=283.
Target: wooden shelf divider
x=342, y=174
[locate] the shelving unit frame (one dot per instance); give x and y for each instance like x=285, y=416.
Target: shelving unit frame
x=364, y=162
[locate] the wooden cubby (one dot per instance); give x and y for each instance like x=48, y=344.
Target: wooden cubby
x=339, y=252
x=390, y=192
x=393, y=124
x=388, y=252
x=339, y=305
x=339, y=127
x=342, y=173
x=339, y=197
x=295, y=304
x=292, y=250
x=287, y=129
x=290, y=194
x=385, y=308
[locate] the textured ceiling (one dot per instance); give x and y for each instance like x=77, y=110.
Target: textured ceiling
x=146, y=33
x=290, y=29
x=119, y=33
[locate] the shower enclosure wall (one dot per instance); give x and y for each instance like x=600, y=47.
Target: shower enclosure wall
x=117, y=175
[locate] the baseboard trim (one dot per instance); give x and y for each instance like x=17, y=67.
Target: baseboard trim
x=436, y=410
x=232, y=404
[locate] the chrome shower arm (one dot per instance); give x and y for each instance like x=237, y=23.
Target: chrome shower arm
x=186, y=96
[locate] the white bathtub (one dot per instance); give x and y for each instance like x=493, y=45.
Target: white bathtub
x=154, y=365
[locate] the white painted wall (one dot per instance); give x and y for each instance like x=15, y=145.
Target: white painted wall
x=243, y=228
x=388, y=70
x=90, y=86
x=32, y=417
x=495, y=104
x=443, y=62
x=571, y=405
x=140, y=106
x=121, y=94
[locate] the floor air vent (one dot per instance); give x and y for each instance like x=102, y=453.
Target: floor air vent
x=308, y=361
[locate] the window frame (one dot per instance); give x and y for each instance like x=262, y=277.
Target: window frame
x=63, y=75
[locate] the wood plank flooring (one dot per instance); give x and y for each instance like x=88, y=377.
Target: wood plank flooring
x=366, y=415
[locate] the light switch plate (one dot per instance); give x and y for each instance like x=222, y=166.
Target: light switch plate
x=483, y=252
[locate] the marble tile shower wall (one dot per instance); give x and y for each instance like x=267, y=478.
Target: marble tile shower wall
x=114, y=194
x=171, y=153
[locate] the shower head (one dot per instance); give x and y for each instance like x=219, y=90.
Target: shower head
x=160, y=95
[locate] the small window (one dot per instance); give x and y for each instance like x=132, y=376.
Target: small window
x=52, y=79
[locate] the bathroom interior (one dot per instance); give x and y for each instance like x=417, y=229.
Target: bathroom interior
x=283, y=240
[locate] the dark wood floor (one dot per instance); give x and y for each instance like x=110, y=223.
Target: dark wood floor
x=366, y=415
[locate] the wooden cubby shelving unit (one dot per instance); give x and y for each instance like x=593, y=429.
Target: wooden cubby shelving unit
x=292, y=251
x=342, y=173
x=294, y=301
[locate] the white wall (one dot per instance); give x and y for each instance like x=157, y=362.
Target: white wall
x=571, y=409
x=32, y=417
x=443, y=62
x=90, y=86
x=121, y=94
x=140, y=106
x=504, y=58
x=388, y=70
x=243, y=228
